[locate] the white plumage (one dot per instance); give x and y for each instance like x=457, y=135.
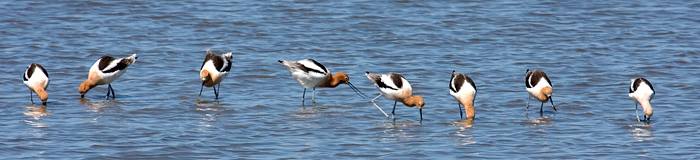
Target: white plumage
x=641, y=92
x=214, y=70
x=104, y=71
x=307, y=73
x=37, y=80
x=463, y=89
x=311, y=74
x=395, y=87
x=538, y=85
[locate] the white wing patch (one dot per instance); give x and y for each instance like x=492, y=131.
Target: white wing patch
x=311, y=65
x=111, y=65
x=386, y=79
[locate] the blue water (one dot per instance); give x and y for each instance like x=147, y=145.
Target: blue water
x=590, y=51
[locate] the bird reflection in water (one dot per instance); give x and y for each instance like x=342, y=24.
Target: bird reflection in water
x=466, y=123
x=465, y=137
x=37, y=112
x=96, y=106
x=642, y=132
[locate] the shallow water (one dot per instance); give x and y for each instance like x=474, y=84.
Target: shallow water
x=590, y=51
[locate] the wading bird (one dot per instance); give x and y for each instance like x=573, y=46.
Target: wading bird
x=105, y=71
x=395, y=87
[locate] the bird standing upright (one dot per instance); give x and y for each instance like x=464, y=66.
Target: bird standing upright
x=311, y=74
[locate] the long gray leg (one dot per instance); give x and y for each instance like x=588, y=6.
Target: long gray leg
x=112, y=89
x=636, y=110
x=380, y=94
x=541, y=108
x=302, y=97
x=108, y=90
x=460, y=110
x=313, y=96
x=392, y=111
x=217, y=92
x=528, y=103
x=380, y=109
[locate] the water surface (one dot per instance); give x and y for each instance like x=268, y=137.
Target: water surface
x=590, y=51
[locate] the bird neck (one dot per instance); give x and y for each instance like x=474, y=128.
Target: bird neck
x=411, y=101
x=648, y=111
x=87, y=85
x=204, y=75
x=42, y=94
x=332, y=81
x=544, y=95
x=468, y=107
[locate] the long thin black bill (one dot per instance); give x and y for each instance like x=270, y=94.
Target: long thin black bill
x=357, y=90
x=421, y=113
x=555, y=108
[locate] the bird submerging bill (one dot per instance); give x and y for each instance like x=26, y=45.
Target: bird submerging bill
x=538, y=85
x=105, y=71
x=463, y=89
x=214, y=69
x=641, y=92
x=37, y=80
x=395, y=87
x=311, y=74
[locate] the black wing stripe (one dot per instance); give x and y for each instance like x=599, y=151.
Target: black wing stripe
x=218, y=62
x=228, y=66
x=121, y=65
x=307, y=70
x=458, y=82
x=318, y=64
x=383, y=85
x=637, y=82
x=634, y=85
x=527, y=79
x=397, y=79
x=29, y=72
x=535, y=77
x=377, y=79
x=104, y=62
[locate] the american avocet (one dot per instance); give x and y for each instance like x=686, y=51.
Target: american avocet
x=311, y=74
x=37, y=79
x=395, y=87
x=105, y=71
x=539, y=86
x=214, y=70
x=641, y=92
x=463, y=89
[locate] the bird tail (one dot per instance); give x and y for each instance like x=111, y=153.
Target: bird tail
x=373, y=77
x=227, y=56
x=131, y=59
